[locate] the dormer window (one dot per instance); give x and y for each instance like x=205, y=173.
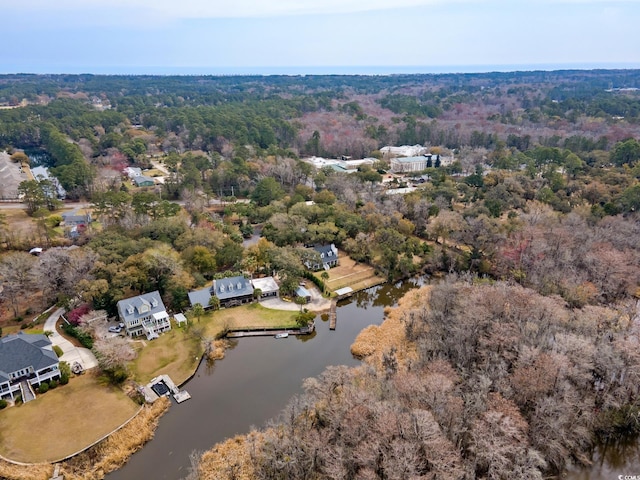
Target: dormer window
x=130, y=309
x=222, y=288
x=231, y=287
x=239, y=286
x=329, y=254
x=322, y=255
x=154, y=302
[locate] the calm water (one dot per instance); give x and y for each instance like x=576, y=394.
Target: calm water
x=253, y=384
x=611, y=461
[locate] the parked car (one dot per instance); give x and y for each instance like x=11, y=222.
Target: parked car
x=115, y=329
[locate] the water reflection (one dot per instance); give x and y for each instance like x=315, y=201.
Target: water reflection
x=610, y=461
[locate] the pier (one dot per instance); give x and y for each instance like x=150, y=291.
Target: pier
x=333, y=315
x=270, y=332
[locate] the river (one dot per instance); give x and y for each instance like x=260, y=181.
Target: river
x=252, y=384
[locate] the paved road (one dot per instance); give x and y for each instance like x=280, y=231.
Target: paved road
x=72, y=354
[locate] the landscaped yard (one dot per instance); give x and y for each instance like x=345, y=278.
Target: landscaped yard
x=176, y=353
x=50, y=427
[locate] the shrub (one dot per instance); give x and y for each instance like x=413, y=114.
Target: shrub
x=24, y=326
x=58, y=351
x=43, y=388
x=3, y=403
x=53, y=384
x=18, y=319
x=84, y=338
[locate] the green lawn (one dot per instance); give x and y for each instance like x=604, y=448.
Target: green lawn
x=176, y=353
x=63, y=421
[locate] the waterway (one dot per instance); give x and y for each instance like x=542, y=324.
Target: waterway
x=252, y=384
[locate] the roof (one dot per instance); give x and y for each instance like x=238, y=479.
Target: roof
x=266, y=284
x=302, y=292
x=344, y=291
x=201, y=296
x=180, y=318
x=19, y=351
x=232, y=287
x=421, y=158
x=141, y=306
x=141, y=179
x=329, y=251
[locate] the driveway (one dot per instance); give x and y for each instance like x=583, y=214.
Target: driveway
x=318, y=303
x=71, y=353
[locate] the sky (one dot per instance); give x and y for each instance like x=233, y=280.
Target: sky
x=316, y=36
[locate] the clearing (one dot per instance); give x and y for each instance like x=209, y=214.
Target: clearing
x=352, y=274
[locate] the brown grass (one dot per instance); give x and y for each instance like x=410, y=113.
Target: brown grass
x=114, y=452
x=373, y=341
x=229, y=459
x=349, y=273
x=63, y=421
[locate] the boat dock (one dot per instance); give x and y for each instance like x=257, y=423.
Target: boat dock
x=266, y=332
x=333, y=315
x=162, y=385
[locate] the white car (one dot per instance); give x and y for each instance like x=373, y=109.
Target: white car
x=115, y=329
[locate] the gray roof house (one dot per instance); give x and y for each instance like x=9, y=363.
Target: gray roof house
x=142, y=181
x=231, y=291
x=328, y=257
x=144, y=314
x=26, y=360
x=76, y=218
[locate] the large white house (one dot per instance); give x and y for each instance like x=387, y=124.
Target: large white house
x=26, y=360
x=144, y=315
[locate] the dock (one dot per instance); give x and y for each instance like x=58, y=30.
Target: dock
x=270, y=332
x=162, y=385
x=333, y=315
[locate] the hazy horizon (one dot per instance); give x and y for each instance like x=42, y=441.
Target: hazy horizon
x=302, y=70
x=252, y=36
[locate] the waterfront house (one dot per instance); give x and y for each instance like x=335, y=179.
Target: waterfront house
x=26, y=361
x=144, y=315
x=328, y=258
x=230, y=291
x=267, y=285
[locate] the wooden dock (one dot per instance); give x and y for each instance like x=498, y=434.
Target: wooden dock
x=333, y=315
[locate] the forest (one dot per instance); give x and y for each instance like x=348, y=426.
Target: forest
x=516, y=364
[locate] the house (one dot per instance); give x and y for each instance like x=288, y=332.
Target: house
x=142, y=181
x=230, y=291
x=26, y=360
x=267, y=286
x=328, y=256
x=144, y=315
x=411, y=164
x=75, y=223
x=75, y=218
x=302, y=292
x=133, y=172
